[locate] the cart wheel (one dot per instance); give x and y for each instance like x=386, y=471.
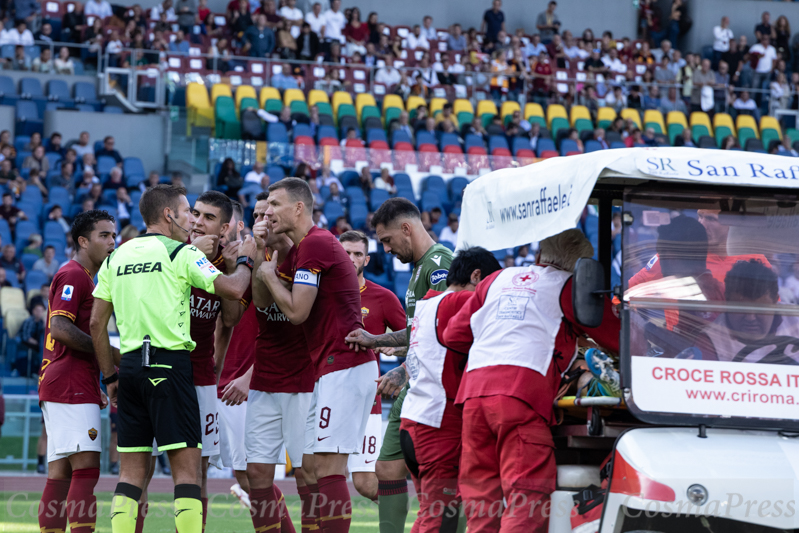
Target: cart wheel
x=595, y=423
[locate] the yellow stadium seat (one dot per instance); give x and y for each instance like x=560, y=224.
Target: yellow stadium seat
x=316, y=96
x=486, y=107
x=392, y=100
x=746, y=121
x=578, y=112
x=13, y=320
x=293, y=95
x=198, y=108
x=11, y=298
x=508, y=108
x=268, y=93
x=413, y=102
x=556, y=111
x=723, y=119
x=676, y=117
x=462, y=105
x=533, y=110
x=654, y=116
x=633, y=115
x=362, y=100
x=436, y=105
x=340, y=97
x=770, y=123
x=219, y=89
x=605, y=114
x=699, y=118
x=244, y=91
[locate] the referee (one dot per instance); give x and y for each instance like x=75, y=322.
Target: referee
x=147, y=282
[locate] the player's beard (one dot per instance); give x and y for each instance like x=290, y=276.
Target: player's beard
x=359, y=271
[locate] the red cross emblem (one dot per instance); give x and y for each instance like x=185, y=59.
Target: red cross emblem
x=524, y=278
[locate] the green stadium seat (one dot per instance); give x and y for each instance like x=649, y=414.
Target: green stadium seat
x=722, y=132
x=227, y=124
x=274, y=106
x=541, y=121
x=369, y=111
x=558, y=124
x=247, y=102
x=654, y=125
x=675, y=130
x=767, y=135
x=486, y=119
x=391, y=114
x=345, y=110
x=583, y=124
x=700, y=130
x=793, y=134
x=324, y=108
x=298, y=106
x=464, y=117
x=744, y=134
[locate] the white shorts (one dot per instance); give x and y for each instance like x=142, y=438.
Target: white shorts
x=231, y=435
x=370, y=446
x=209, y=420
x=339, y=410
x=71, y=428
x=275, y=424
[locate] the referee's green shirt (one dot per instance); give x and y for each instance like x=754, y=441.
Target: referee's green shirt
x=148, y=280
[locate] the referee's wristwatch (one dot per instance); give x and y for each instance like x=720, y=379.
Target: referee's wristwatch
x=246, y=261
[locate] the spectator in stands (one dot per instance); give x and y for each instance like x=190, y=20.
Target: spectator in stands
x=548, y=23
x=152, y=180
x=493, y=22
x=37, y=160
x=34, y=180
x=721, y=91
x=416, y=40
x=269, y=9
x=665, y=49
x=663, y=73
x=36, y=140
x=316, y=19
x=180, y=44
x=613, y=63
x=722, y=36
x=136, y=15
x=594, y=63
x=535, y=47
x=284, y=79
x=704, y=81
x=65, y=177
x=341, y=226
x=102, y=9
x=21, y=61
x=34, y=246
x=387, y=74
x=56, y=214
x=221, y=56
x=256, y=174
x=18, y=35
x=72, y=24
x=730, y=142
x=385, y=181
x=260, y=40
x=83, y=146
x=307, y=43
x=782, y=31
x=88, y=179
x=186, y=11
x=43, y=63
x=765, y=55
x=241, y=19
x=780, y=92
x=557, y=51
x=335, y=21
x=428, y=30
x=447, y=114
x=3, y=279
x=115, y=180
x=450, y=232
x=88, y=162
x=542, y=78
x=55, y=146
x=164, y=7
x=336, y=196
x=616, y=99
x=365, y=181
x=685, y=139
x=356, y=33
x=31, y=334
x=9, y=261
x=764, y=28
x=686, y=76
x=87, y=205
x=652, y=98
x=285, y=44
x=456, y=41
x=47, y=263
x=229, y=177
x=108, y=151
x=124, y=207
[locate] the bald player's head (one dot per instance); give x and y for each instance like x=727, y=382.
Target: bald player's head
x=396, y=222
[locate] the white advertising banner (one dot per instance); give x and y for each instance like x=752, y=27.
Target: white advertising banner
x=516, y=206
x=719, y=388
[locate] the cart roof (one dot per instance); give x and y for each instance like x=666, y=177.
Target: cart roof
x=516, y=206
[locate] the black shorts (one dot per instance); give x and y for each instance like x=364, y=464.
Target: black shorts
x=158, y=403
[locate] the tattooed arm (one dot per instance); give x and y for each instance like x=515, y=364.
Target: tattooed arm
x=63, y=330
x=392, y=382
x=362, y=339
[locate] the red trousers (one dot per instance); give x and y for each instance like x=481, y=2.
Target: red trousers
x=432, y=455
x=508, y=453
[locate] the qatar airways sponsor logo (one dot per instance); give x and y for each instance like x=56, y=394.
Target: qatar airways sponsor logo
x=204, y=308
x=273, y=314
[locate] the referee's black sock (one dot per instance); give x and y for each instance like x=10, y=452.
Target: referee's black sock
x=188, y=509
x=125, y=508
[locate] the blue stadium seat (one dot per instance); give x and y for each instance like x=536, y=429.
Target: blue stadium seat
x=402, y=181
x=52, y=158
x=497, y=141
x=568, y=145
x=192, y=198
x=28, y=260
x=109, y=198
x=132, y=168
x=399, y=136
x=8, y=89
x=276, y=133
x=592, y=146
x=301, y=130
x=34, y=279
x=85, y=93
x=113, y=109
x=375, y=135
x=377, y=197
x=53, y=231
x=401, y=281
x=617, y=144
x=449, y=139
x=12, y=278
x=21, y=141
x=58, y=90
x=61, y=245
x=447, y=244
x=332, y=211
x=355, y=194
x=24, y=229
x=473, y=140
x=358, y=214
x=425, y=137
x=349, y=177
x=58, y=195
x=325, y=132
x=30, y=87
x=433, y=183
x=431, y=199
x=136, y=220
x=85, y=108
x=104, y=165
x=456, y=187
x=27, y=118
x=520, y=143
x=5, y=232
x=31, y=210
x=275, y=173
x=544, y=145
x=32, y=195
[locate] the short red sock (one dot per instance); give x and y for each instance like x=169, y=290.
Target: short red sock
x=205, y=511
x=265, y=511
x=336, y=512
x=52, y=515
x=140, y=518
x=286, y=526
x=81, y=503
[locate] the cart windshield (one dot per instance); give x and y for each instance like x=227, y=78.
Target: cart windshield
x=711, y=285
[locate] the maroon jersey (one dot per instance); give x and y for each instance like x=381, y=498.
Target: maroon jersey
x=241, y=350
x=67, y=375
x=205, y=309
x=380, y=309
x=322, y=262
x=282, y=362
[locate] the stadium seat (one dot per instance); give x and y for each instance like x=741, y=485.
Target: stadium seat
x=8, y=91
x=700, y=125
x=341, y=97
x=747, y=129
x=293, y=95
x=632, y=114
x=133, y=168
x=104, y=165
x=676, y=123
x=568, y=147
x=85, y=93
x=377, y=197
x=316, y=96
x=497, y=141
x=449, y=139
x=29, y=259
x=534, y=113
x=653, y=118
x=580, y=112
x=770, y=130
x=592, y=146
x=507, y=110
x=28, y=120
x=24, y=229
x=461, y=105
x=332, y=211
x=723, y=127
x=436, y=105
x=220, y=89
x=58, y=90
x=557, y=111
x=199, y=112
x=245, y=91
x=276, y=132
x=392, y=100
x=30, y=88
x=412, y=103
x=227, y=123
x=486, y=107
x=11, y=299
x=605, y=117
x=363, y=100
x=269, y=93
x=544, y=145
x=34, y=279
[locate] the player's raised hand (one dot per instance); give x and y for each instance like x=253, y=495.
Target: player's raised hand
x=248, y=247
x=206, y=244
x=260, y=231
x=268, y=268
x=360, y=340
x=230, y=253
